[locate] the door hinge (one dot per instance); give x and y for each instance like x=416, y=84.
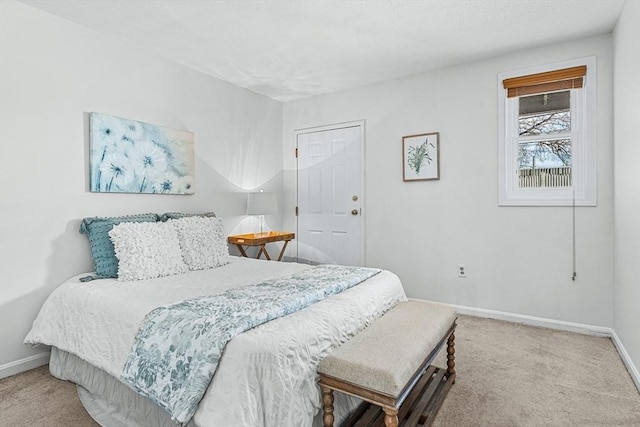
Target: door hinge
x=296, y=211
x=296, y=153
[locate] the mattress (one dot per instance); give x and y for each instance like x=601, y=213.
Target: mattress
x=266, y=376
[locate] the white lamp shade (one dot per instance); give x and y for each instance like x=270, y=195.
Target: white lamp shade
x=261, y=203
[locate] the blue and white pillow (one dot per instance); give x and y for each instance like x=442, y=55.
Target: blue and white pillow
x=97, y=230
x=177, y=215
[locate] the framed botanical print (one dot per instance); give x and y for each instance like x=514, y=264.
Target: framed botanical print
x=421, y=157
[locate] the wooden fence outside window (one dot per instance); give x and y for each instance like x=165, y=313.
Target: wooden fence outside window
x=545, y=177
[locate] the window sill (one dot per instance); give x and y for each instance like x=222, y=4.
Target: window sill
x=529, y=198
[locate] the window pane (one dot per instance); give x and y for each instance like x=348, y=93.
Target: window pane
x=545, y=163
x=544, y=113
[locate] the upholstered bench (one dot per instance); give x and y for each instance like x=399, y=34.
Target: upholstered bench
x=389, y=365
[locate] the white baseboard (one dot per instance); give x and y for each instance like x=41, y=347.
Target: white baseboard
x=581, y=328
x=626, y=359
x=23, y=365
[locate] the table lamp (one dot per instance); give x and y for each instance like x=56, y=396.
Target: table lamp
x=261, y=203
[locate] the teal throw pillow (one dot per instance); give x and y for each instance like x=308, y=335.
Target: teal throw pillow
x=177, y=215
x=97, y=230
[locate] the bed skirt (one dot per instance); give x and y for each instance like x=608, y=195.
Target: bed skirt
x=111, y=403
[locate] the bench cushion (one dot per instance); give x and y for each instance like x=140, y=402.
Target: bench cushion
x=385, y=355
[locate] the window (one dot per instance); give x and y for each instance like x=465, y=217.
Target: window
x=547, y=135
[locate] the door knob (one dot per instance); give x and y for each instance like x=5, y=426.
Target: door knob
x=354, y=212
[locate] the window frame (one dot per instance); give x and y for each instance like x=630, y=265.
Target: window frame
x=583, y=148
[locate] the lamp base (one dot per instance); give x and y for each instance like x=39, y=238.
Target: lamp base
x=262, y=233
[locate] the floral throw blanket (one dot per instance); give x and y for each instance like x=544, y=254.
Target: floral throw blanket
x=177, y=348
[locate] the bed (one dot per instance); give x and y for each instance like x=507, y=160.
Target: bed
x=266, y=375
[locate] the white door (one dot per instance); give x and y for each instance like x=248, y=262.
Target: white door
x=330, y=195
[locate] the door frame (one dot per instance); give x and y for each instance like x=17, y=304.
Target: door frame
x=363, y=198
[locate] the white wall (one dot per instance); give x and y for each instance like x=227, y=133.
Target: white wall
x=518, y=259
x=52, y=73
x=626, y=189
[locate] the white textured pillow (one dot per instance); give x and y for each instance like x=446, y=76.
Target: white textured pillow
x=146, y=250
x=202, y=242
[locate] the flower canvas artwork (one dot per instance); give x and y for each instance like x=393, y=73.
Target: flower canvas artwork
x=128, y=156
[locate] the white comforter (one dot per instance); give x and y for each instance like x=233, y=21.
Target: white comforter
x=266, y=377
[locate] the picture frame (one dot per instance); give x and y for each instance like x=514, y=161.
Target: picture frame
x=421, y=157
x=129, y=156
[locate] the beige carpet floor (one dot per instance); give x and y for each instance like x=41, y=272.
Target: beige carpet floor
x=508, y=375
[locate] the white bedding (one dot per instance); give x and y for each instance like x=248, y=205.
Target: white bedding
x=266, y=377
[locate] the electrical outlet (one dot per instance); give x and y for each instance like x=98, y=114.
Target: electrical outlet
x=462, y=271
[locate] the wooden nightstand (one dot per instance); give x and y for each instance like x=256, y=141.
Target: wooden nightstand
x=261, y=239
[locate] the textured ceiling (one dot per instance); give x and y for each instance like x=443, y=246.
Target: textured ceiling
x=293, y=49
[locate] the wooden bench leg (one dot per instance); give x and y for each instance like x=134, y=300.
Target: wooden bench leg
x=451, y=358
x=327, y=406
x=390, y=417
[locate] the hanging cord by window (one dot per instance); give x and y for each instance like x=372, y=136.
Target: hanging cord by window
x=573, y=223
